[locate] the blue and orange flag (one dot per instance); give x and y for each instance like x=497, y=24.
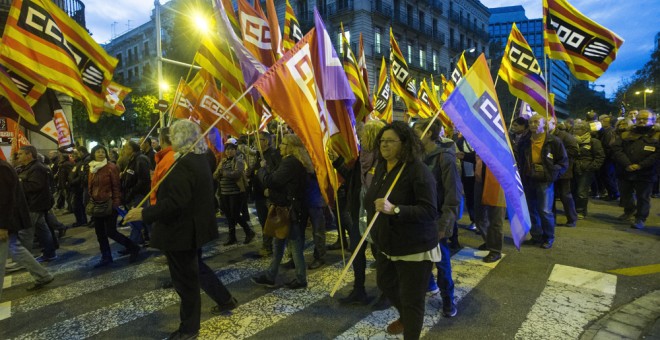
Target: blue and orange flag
x=475, y=111
x=587, y=47
x=521, y=70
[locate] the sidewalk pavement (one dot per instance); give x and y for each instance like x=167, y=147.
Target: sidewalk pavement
x=639, y=319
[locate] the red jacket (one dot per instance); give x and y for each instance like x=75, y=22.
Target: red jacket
x=104, y=185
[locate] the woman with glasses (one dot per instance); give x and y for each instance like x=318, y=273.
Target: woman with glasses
x=405, y=231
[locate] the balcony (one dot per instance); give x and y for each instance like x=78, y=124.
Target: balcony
x=382, y=9
x=379, y=51
x=454, y=17
x=338, y=8
x=438, y=37
x=436, y=5
x=401, y=18
x=456, y=46
x=306, y=21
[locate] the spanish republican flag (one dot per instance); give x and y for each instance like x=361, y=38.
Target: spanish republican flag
x=290, y=89
x=403, y=84
x=46, y=41
x=587, y=47
x=521, y=70
x=383, y=95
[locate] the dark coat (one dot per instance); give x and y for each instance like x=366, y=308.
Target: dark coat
x=449, y=187
x=273, y=159
x=415, y=229
x=104, y=185
x=286, y=184
x=571, y=147
x=15, y=214
x=643, y=149
x=36, y=180
x=590, y=157
x=135, y=179
x=184, y=215
x=553, y=159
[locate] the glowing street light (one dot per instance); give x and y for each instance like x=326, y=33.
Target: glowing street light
x=644, y=93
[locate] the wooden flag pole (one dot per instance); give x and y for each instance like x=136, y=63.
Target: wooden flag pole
x=513, y=114
x=547, y=90
x=339, y=228
x=373, y=219
x=220, y=117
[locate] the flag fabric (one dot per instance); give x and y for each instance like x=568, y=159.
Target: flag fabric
x=292, y=31
x=434, y=106
x=13, y=97
x=231, y=16
x=424, y=95
x=447, y=88
x=212, y=104
x=474, y=109
x=460, y=70
x=526, y=111
x=48, y=42
x=383, y=95
x=275, y=35
x=256, y=32
x=337, y=93
x=403, y=84
x=31, y=85
x=587, y=47
x=354, y=79
x=184, y=104
x=9, y=128
x=521, y=71
x=251, y=68
x=289, y=87
x=114, y=98
x=362, y=65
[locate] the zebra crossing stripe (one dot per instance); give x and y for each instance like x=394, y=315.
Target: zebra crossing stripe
x=109, y=317
x=7, y=283
x=571, y=299
x=5, y=310
x=468, y=270
x=252, y=317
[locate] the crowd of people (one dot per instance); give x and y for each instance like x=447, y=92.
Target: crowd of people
x=414, y=181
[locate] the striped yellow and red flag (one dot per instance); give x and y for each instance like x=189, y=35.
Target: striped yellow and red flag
x=383, y=95
x=31, y=85
x=354, y=79
x=256, y=32
x=522, y=72
x=48, y=42
x=292, y=31
x=460, y=70
x=231, y=15
x=114, y=98
x=403, y=84
x=424, y=96
x=15, y=99
x=587, y=47
x=447, y=88
x=362, y=65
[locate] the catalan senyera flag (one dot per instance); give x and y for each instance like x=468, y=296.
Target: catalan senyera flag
x=212, y=104
x=383, y=95
x=31, y=85
x=354, y=79
x=522, y=72
x=447, y=88
x=460, y=70
x=292, y=31
x=587, y=47
x=14, y=98
x=291, y=91
x=403, y=85
x=48, y=42
x=475, y=111
x=434, y=106
x=424, y=96
x=114, y=98
x=256, y=33
x=336, y=92
x=362, y=65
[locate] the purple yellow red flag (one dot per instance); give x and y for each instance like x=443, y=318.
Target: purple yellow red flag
x=521, y=71
x=475, y=111
x=39, y=37
x=587, y=47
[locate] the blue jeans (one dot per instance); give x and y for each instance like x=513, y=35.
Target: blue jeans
x=25, y=259
x=43, y=233
x=540, y=196
x=317, y=219
x=296, y=241
x=445, y=282
x=139, y=229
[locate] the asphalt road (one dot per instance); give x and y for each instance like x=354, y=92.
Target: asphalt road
x=530, y=294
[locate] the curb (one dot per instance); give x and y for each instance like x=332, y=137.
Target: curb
x=639, y=319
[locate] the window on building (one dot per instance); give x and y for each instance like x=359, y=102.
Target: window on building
x=347, y=34
x=135, y=53
x=420, y=15
x=377, y=34
x=137, y=72
x=130, y=75
x=435, y=25
x=120, y=60
x=451, y=36
x=469, y=43
x=461, y=41
x=130, y=56
x=422, y=55
x=409, y=52
x=435, y=60
x=146, y=49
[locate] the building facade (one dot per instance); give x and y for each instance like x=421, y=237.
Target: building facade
x=559, y=76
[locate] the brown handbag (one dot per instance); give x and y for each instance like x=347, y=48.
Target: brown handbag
x=278, y=222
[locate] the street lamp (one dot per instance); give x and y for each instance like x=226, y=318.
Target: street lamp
x=644, y=93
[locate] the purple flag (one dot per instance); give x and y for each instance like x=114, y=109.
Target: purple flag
x=250, y=66
x=328, y=67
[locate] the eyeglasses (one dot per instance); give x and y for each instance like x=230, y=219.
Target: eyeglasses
x=388, y=141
